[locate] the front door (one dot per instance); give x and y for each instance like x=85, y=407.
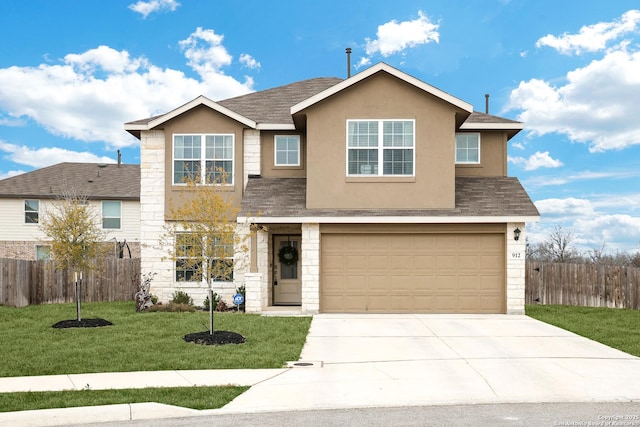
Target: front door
x=287, y=257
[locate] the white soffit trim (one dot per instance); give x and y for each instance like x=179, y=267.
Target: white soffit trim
x=201, y=100
x=492, y=126
x=275, y=126
x=390, y=219
x=381, y=66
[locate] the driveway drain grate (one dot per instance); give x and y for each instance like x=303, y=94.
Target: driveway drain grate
x=305, y=364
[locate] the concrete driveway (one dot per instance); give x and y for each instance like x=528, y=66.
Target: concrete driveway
x=395, y=360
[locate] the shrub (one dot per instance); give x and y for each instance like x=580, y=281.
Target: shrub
x=180, y=297
x=216, y=301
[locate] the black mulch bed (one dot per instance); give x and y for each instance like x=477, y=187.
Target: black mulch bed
x=84, y=323
x=218, y=338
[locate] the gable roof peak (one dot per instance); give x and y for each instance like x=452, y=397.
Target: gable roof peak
x=374, y=69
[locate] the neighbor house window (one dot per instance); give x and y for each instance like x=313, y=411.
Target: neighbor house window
x=203, y=158
x=111, y=215
x=467, y=148
x=31, y=211
x=287, y=150
x=43, y=252
x=189, y=256
x=380, y=147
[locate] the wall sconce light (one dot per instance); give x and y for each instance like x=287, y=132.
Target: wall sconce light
x=516, y=234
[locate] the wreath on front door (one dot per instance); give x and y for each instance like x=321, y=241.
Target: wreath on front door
x=288, y=255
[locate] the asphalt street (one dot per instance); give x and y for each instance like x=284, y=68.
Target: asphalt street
x=516, y=415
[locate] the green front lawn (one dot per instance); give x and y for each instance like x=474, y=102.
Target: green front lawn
x=617, y=328
x=139, y=341
x=186, y=397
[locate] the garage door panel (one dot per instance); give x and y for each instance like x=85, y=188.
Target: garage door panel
x=432, y=273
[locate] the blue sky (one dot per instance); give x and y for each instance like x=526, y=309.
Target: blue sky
x=72, y=72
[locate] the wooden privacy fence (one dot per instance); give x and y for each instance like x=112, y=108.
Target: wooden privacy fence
x=587, y=285
x=24, y=282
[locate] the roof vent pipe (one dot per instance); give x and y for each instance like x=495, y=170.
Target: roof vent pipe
x=119, y=158
x=348, y=50
x=486, y=103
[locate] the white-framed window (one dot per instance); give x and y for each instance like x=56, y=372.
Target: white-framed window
x=111, y=215
x=31, y=211
x=189, y=255
x=203, y=158
x=43, y=252
x=380, y=147
x=468, y=148
x=286, y=150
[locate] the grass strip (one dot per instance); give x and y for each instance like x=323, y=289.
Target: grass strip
x=187, y=397
x=617, y=328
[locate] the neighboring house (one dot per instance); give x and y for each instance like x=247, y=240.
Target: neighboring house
x=114, y=190
x=393, y=194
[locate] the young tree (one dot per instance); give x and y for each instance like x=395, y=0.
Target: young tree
x=73, y=228
x=201, y=237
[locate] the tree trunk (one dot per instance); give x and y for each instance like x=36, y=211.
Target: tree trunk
x=78, y=294
x=210, y=310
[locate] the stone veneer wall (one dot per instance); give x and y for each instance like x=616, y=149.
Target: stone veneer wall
x=310, y=268
x=154, y=257
x=251, y=153
x=27, y=250
x=515, y=268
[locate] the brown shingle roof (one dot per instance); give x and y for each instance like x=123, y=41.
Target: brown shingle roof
x=96, y=181
x=477, y=117
x=274, y=105
x=475, y=196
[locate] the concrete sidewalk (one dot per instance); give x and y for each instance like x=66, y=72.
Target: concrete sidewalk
x=384, y=360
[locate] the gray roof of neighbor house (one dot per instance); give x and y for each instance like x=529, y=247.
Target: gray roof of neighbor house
x=97, y=181
x=475, y=197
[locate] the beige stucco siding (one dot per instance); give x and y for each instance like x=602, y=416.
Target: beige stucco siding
x=269, y=169
x=493, y=156
x=202, y=120
x=381, y=97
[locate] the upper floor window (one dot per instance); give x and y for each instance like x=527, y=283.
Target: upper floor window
x=287, y=150
x=111, y=215
x=467, y=148
x=203, y=158
x=31, y=211
x=380, y=147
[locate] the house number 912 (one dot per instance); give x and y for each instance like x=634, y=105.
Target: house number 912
x=516, y=254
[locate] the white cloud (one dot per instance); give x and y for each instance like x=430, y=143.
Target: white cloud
x=536, y=161
x=620, y=232
x=11, y=173
x=565, y=207
x=249, y=61
x=42, y=157
x=598, y=104
x=394, y=37
x=147, y=7
x=593, y=38
x=88, y=96
x=518, y=145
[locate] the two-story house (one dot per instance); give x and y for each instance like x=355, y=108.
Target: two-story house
x=377, y=193
x=112, y=189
